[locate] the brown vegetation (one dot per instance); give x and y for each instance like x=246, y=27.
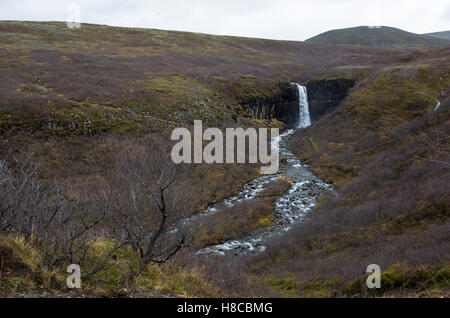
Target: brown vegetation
x=237, y=221
x=93, y=106
x=390, y=166
x=275, y=188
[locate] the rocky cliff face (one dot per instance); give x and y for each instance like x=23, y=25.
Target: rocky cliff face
x=324, y=95
x=282, y=106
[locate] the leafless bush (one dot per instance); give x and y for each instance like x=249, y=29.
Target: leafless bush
x=62, y=229
x=22, y=196
x=140, y=205
x=68, y=228
x=149, y=200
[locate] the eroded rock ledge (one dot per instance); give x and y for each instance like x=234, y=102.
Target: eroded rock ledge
x=323, y=96
x=282, y=106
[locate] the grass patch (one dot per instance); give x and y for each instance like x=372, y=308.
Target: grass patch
x=276, y=187
x=235, y=222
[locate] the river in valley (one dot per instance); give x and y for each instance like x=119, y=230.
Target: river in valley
x=288, y=209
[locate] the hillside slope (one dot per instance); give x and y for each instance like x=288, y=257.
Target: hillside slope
x=65, y=85
x=136, y=71
x=73, y=97
x=379, y=37
x=386, y=149
x=441, y=35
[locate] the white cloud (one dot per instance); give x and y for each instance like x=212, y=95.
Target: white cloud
x=282, y=19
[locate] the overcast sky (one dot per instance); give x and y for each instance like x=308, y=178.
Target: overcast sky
x=274, y=19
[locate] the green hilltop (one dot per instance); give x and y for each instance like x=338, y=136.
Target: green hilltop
x=441, y=35
x=380, y=37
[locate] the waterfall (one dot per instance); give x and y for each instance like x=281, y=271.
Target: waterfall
x=304, y=120
x=437, y=105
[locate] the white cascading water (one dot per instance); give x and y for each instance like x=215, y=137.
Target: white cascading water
x=304, y=120
x=437, y=105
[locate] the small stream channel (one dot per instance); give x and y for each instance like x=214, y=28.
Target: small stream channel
x=289, y=208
